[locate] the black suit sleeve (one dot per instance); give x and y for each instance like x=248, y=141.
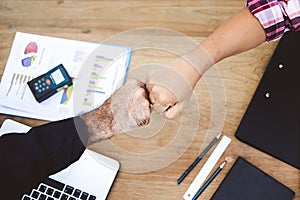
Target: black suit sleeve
x=26, y=159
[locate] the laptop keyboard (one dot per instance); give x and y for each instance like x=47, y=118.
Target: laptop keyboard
x=53, y=190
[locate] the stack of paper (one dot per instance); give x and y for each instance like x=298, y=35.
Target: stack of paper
x=97, y=70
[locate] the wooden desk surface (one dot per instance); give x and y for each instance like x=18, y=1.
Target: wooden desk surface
x=93, y=20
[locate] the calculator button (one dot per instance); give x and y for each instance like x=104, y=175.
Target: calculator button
x=48, y=82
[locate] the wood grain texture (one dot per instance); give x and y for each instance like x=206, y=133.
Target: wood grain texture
x=97, y=21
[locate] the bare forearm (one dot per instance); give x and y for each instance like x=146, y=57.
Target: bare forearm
x=238, y=34
x=100, y=123
x=243, y=31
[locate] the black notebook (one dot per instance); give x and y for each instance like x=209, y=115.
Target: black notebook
x=246, y=182
x=272, y=120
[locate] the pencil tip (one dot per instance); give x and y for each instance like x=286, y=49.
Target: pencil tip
x=223, y=164
x=218, y=136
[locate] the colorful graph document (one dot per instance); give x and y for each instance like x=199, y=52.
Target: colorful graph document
x=97, y=71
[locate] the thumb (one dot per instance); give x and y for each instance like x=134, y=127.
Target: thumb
x=173, y=111
x=151, y=93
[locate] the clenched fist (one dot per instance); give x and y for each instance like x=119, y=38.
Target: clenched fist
x=126, y=109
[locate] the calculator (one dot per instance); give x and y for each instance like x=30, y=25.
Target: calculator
x=46, y=85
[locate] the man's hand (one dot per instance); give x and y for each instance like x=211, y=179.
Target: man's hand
x=170, y=88
x=126, y=109
x=163, y=100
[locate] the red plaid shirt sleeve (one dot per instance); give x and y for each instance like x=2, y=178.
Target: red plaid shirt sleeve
x=276, y=16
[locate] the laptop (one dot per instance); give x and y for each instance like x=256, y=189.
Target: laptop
x=91, y=177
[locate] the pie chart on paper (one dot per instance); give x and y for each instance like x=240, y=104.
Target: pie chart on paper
x=30, y=50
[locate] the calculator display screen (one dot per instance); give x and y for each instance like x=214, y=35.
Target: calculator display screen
x=57, y=77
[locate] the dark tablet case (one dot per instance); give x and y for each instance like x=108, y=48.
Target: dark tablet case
x=272, y=124
x=246, y=182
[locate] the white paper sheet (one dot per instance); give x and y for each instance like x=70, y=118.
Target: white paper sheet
x=32, y=55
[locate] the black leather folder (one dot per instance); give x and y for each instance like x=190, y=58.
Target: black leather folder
x=271, y=122
x=244, y=181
